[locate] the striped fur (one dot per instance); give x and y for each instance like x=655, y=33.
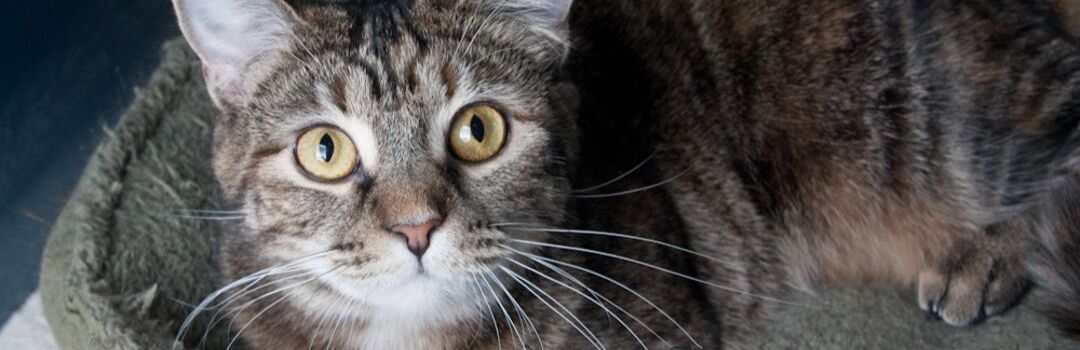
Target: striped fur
x=790, y=144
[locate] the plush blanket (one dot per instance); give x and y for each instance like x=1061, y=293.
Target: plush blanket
x=124, y=263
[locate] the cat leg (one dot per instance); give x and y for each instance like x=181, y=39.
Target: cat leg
x=981, y=274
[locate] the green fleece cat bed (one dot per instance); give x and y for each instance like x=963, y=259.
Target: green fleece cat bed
x=124, y=264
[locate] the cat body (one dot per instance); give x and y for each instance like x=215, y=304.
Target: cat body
x=753, y=148
x=859, y=140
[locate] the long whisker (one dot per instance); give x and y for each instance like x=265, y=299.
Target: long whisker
x=338, y=323
x=532, y=325
x=186, y=325
x=615, y=282
x=352, y=324
x=494, y=323
x=583, y=295
x=612, y=234
x=220, y=316
x=257, y=315
x=506, y=315
x=221, y=307
x=522, y=315
x=661, y=269
x=197, y=217
x=264, y=310
x=194, y=214
x=322, y=320
x=209, y=211
x=248, y=288
x=283, y=289
x=597, y=295
x=620, y=177
x=532, y=288
x=632, y=191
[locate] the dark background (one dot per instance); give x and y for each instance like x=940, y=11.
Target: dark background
x=67, y=70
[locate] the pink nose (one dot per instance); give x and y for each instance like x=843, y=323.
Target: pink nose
x=416, y=236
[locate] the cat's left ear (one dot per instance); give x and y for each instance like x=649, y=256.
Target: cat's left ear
x=548, y=17
x=231, y=37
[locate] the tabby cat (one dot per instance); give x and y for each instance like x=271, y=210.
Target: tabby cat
x=487, y=174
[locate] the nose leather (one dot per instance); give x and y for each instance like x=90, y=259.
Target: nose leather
x=416, y=236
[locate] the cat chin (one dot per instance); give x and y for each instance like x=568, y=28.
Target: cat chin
x=421, y=299
x=408, y=315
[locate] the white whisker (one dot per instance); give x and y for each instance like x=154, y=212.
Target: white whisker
x=522, y=315
x=264, y=310
x=532, y=288
x=209, y=211
x=196, y=214
x=583, y=295
x=632, y=191
x=257, y=315
x=506, y=315
x=248, y=288
x=322, y=320
x=221, y=307
x=185, y=326
x=197, y=217
x=494, y=323
x=620, y=177
x=613, y=234
x=282, y=290
x=661, y=269
x=597, y=295
x=615, y=282
x=338, y=323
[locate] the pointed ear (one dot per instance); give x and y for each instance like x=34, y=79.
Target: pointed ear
x=550, y=12
x=549, y=17
x=230, y=35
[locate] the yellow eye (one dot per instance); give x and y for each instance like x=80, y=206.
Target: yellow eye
x=326, y=153
x=477, y=133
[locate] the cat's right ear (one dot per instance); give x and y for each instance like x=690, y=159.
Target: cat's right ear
x=230, y=36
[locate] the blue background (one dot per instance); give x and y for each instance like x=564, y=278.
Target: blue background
x=67, y=69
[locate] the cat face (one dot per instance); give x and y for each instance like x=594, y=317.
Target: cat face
x=376, y=149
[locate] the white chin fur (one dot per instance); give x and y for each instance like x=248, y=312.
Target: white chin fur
x=399, y=306
x=403, y=304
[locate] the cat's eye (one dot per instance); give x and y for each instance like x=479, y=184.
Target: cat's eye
x=326, y=153
x=477, y=133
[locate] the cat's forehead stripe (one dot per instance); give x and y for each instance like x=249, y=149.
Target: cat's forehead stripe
x=377, y=24
x=385, y=32
x=450, y=80
x=338, y=94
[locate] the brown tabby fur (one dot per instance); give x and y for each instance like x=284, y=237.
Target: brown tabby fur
x=807, y=143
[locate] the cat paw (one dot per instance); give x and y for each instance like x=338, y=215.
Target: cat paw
x=978, y=277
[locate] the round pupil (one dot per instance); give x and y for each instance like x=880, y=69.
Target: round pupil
x=477, y=127
x=326, y=148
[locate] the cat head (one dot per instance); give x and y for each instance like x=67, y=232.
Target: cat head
x=382, y=146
